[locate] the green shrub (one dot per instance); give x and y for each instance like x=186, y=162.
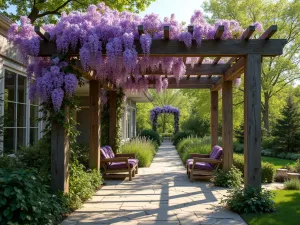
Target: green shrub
x=7, y=162
x=196, y=125
x=143, y=149
x=268, y=152
x=294, y=168
x=238, y=147
x=80, y=153
x=37, y=156
x=24, y=199
x=82, y=184
x=250, y=200
x=267, y=169
x=179, y=136
x=193, y=145
x=152, y=135
x=238, y=162
x=230, y=179
x=293, y=184
x=267, y=172
x=267, y=142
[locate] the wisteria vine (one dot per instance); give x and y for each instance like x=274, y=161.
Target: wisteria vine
x=155, y=112
x=100, y=30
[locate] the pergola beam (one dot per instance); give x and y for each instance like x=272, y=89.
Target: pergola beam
x=219, y=32
x=166, y=32
x=232, y=73
x=208, y=48
x=42, y=33
x=269, y=32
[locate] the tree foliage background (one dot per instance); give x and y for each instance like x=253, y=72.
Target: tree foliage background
x=48, y=11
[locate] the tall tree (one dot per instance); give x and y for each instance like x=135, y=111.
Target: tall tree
x=287, y=128
x=277, y=72
x=48, y=11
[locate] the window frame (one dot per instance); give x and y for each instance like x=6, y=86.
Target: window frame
x=27, y=126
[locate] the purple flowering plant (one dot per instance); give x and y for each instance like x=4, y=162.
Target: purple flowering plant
x=155, y=112
x=103, y=29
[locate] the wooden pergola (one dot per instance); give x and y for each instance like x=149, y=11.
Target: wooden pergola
x=245, y=58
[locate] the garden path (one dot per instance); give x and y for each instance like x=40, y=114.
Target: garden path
x=161, y=194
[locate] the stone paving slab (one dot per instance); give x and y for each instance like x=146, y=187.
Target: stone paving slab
x=161, y=194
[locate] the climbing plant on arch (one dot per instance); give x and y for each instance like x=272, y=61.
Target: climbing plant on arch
x=155, y=112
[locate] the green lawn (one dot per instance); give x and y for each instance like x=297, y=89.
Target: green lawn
x=288, y=210
x=278, y=163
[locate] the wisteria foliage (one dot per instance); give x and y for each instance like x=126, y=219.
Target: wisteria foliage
x=103, y=29
x=155, y=112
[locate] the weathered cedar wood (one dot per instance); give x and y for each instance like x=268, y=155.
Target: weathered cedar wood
x=112, y=119
x=42, y=33
x=94, y=139
x=219, y=32
x=252, y=120
x=60, y=146
x=227, y=125
x=208, y=48
x=214, y=117
x=166, y=32
x=269, y=33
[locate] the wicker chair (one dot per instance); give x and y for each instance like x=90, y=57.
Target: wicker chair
x=202, y=166
x=114, y=164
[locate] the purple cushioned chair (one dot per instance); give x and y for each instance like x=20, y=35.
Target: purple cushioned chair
x=113, y=164
x=204, y=165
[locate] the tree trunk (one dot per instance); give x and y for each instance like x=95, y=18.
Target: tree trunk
x=265, y=112
x=33, y=15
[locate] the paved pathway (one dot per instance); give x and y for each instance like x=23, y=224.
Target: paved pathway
x=161, y=194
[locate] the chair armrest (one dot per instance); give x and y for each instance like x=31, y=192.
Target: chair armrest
x=119, y=159
x=193, y=155
x=208, y=160
x=131, y=156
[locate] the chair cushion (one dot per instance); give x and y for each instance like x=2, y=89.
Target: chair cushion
x=106, y=152
x=122, y=165
x=199, y=165
x=216, y=152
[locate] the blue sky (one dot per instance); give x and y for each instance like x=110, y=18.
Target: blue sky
x=183, y=9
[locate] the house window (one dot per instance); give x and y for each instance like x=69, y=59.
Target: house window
x=20, y=124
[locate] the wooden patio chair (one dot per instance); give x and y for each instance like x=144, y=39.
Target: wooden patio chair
x=114, y=164
x=202, y=166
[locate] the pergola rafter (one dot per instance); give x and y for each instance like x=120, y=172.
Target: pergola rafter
x=245, y=57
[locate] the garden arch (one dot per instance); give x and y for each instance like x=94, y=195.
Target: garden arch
x=155, y=112
x=244, y=56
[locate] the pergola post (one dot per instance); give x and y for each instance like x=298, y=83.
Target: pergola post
x=227, y=125
x=60, y=146
x=252, y=121
x=214, y=118
x=112, y=119
x=94, y=156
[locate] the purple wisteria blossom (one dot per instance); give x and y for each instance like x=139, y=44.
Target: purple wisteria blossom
x=155, y=112
x=104, y=30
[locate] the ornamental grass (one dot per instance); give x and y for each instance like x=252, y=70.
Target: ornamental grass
x=143, y=148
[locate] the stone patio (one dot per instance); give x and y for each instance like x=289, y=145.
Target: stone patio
x=161, y=194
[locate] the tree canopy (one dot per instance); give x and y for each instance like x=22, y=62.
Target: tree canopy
x=48, y=11
x=277, y=72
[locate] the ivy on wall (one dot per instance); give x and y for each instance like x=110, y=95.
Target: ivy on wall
x=105, y=119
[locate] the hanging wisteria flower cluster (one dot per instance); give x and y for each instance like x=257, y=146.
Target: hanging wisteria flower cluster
x=155, y=112
x=51, y=84
x=103, y=30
